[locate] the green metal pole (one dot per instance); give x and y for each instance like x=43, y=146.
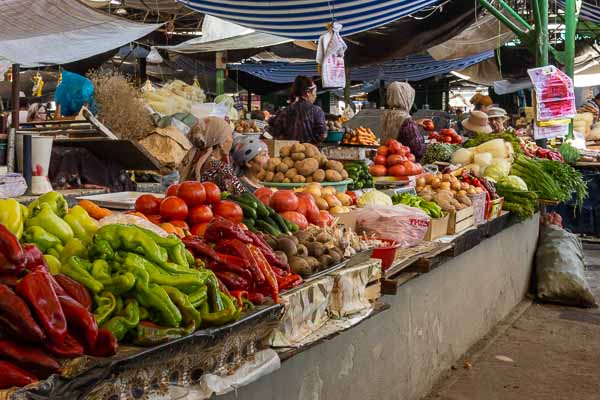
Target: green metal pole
x=571, y=16
x=220, y=63
x=543, y=43
x=515, y=14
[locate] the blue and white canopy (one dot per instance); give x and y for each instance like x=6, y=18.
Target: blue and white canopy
x=412, y=68
x=590, y=12
x=307, y=19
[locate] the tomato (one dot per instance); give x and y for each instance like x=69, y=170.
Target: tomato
x=383, y=150
x=394, y=146
x=229, y=210
x=200, y=214
x=172, y=190
x=395, y=159
x=397, y=170
x=380, y=159
x=447, y=139
x=155, y=219
x=296, y=218
x=352, y=196
x=377, y=170
x=147, y=204
x=213, y=193
x=428, y=125
x=411, y=157
x=173, y=207
x=199, y=229
x=284, y=200
x=325, y=218
x=180, y=224
x=192, y=193
x=433, y=135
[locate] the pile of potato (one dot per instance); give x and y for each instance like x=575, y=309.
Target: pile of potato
x=302, y=163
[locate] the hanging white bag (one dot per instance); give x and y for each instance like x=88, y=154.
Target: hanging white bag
x=330, y=56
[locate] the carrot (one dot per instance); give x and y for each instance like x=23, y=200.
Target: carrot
x=94, y=210
x=137, y=214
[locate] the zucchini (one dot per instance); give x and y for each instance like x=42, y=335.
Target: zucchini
x=249, y=212
x=279, y=222
x=266, y=227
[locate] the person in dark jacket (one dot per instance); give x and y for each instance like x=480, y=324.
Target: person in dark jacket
x=301, y=120
x=397, y=122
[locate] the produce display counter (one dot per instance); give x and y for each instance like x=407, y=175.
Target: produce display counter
x=69, y=194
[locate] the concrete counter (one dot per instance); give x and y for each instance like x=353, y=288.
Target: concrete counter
x=433, y=320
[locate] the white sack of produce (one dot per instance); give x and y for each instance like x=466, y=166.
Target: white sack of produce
x=560, y=269
x=168, y=145
x=407, y=226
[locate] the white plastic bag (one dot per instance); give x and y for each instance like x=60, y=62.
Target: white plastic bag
x=330, y=56
x=154, y=56
x=405, y=225
x=12, y=185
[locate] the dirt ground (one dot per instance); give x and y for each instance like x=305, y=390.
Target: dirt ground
x=540, y=352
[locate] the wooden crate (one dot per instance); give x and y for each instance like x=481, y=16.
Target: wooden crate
x=275, y=145
x=438, y=227
x=494, y=208
x=460, y=220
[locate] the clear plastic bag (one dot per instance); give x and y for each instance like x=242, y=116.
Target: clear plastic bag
x=12, y=185
x=407, y=226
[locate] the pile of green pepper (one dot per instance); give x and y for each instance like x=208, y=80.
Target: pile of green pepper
x=359, y=173
x=146, y=287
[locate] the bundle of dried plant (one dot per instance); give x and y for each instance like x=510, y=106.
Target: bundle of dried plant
x=119, y=107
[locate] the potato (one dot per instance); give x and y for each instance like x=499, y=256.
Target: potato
x=322, y=203
x=328, y=190
x=298, y=156
x=286, y=180
x=291, y=173
x=299, y=266
x=332, y=176
x=269, y=176
x=332, y=201
x=282, y=168
x=278, y=177
x=322, y=161
x=318, y=175
x=261, y=175
x=344, y=198
x=313, y=263
x=309, y=179
x=311, y=150
x=298, y=148
x=337, y=210
x=336, y=255
x=326, y=260
x=285, y=151
x=275, y=160
x=282, y=256
x=344, y=174
x=335, y=165
x=302, y=250
x=298, y=179
x=307, y=167
x=289, y=162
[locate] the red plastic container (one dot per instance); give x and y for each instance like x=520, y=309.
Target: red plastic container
x=386, y=254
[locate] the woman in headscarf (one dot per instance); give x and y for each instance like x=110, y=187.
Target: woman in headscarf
x=208, y=160
x=250, y=154
x=397, y=122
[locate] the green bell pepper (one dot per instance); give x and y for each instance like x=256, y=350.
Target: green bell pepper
x=52, y=223
x=11, y=216
x=77, y=269
x=55, y=200
x=42, y=239
x=106, y=304
x=53, y=264
x=150, y=334
x=74, y=247
x=127, y=319
x=188, y=312
x=84, y=227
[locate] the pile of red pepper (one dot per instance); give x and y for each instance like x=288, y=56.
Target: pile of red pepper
x=243, y=261
x=531, y=149
x=41, y=317
x=480, y=182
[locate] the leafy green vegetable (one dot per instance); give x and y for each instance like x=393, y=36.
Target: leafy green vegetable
x=429, y=207
x=438, y=152
x=374, y=197
x=514, y=182
x=568, y=178
x=569, y=153
x=522, y=203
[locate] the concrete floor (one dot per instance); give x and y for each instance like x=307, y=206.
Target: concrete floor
x=538, y=352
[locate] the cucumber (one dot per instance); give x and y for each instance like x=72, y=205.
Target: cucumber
x=266, y=227
x=246, y=202
x=249, y=212
x=249, y=199
x=280, y=222
x=249, y=222
x=261, y=210
x=291, y=226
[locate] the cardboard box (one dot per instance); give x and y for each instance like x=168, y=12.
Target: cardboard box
x=274, y=145
x=438, y=227
x=348, y=219
x=460, y=220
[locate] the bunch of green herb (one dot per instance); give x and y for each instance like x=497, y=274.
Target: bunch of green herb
x=438, y=152
x=568, y=178
x=538, y=180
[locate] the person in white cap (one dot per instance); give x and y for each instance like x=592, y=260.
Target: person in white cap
x=476, y=123
x=497, y=117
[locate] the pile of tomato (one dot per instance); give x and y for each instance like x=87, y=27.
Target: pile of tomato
x=188, y=206
x=447, y=135
x=396, y=160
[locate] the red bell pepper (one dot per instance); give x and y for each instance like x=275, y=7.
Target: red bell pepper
x=9, y=280
x=30, y=358
x=16, y=318
x=33, y=258
x=36, y=288
x=10, y=247
x=69, y=348
x=80, y=319
x=14, y=376
x=232, y=280
x=105, y=346
x=74, y=289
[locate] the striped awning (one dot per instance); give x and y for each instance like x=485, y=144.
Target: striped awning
x=589, y=11
x=413, y=68
x=307, y=19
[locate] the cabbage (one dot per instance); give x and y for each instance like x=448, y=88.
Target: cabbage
x=483, y=160
x=374, y=197
x=495, y=172
x=462, y=157
x=495, y=146
x=514, y=182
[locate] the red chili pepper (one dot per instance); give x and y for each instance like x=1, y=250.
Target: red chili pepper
x=289, y=281
x=105, y=346
x=80, y=320
x=220, y=228
x=28, y=357
x=256, y=298
x=232, y=280
x=8, y=280
x=14, y=376
x=10, y=247
x=75, y=290
x=244, y=273
x=16, y=318
x=238, y=248
x=271, y=279
x=70, y=348
x=239, y=295
x=36, y=288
